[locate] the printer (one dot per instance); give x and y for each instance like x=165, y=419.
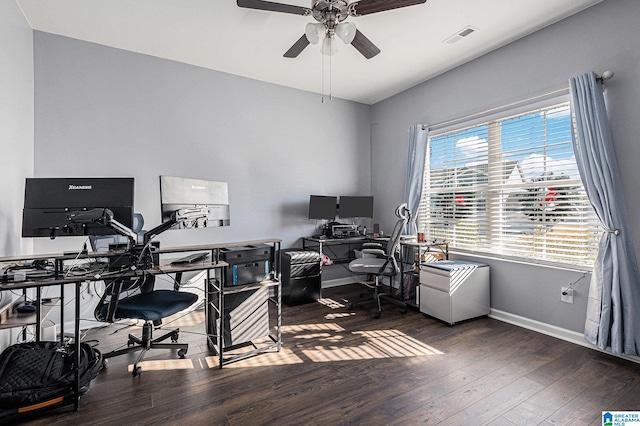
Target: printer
x=344, y=231
x=339, y=230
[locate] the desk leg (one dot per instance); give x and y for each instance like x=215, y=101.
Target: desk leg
x=38, y=313
x=220, y=322
x=321, y=262
x=207, y=300
x=213, y=313
x=278, y=277
x=76, y=345
x=62, y=311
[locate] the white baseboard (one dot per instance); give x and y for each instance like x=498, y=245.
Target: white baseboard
x=552, y=330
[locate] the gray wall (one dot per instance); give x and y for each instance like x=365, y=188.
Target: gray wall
x=101, y=111
x=597, y=39
x=107, y=112
x=16, y=123
x=16, y=132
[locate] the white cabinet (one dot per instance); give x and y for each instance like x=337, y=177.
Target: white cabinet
x=454, y=291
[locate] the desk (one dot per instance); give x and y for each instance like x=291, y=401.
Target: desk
x=351, y=243
x=59, y=279
x=214, y=336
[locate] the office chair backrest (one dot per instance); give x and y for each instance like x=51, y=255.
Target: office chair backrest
x=138, y=223
x=117, y=288
x=404, y=216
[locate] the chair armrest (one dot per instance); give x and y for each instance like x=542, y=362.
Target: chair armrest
x=371, y=245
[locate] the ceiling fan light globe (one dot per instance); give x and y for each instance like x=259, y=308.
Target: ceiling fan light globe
x=346, y=31
x=314, y=32
x=329, y=46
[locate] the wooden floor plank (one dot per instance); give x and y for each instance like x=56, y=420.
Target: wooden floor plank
x=339, y=367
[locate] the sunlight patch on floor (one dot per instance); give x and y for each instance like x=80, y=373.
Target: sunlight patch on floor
x=170, y=364
x=266, y=359
x=326, y=342
x=341, y=315
x=299, y=328
x=376, y=344
x=333, y=304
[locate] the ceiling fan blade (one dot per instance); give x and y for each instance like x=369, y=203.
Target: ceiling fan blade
x=373, y=6
x=274, y=7
x=364, y=45
x=297, y=47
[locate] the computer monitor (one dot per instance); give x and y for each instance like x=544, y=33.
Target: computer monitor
x=322, y=207
x=178, y=193
x=355, y=206
x=48, y=203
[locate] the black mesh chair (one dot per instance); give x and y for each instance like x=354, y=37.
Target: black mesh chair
x=377, y=262
x=135, y=298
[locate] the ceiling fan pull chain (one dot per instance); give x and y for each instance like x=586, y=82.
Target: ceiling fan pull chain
x=322, y=76
x=330, y=80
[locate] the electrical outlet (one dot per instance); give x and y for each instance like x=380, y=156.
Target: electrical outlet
x=566, y=295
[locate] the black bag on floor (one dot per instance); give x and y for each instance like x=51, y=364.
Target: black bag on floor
x=41, y=374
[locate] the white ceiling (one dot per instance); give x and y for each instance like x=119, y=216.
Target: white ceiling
x=218, y=34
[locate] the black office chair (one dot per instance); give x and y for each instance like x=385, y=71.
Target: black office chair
x=135, y=298
x=377, y=262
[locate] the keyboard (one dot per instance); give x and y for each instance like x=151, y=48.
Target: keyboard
x=192, y=258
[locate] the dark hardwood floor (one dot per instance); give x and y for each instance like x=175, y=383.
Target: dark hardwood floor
x=341, y=368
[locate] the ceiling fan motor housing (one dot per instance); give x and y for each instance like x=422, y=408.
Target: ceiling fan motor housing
x=330, y=12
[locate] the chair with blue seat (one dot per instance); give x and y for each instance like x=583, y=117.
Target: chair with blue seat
x=377, y=262
x=136, y=298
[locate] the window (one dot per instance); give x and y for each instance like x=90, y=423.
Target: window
x=510, y=187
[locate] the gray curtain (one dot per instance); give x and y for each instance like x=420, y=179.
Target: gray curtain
x=613, y=308
x=418, y=135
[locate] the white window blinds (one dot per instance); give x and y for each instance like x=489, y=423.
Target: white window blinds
x=510, y=187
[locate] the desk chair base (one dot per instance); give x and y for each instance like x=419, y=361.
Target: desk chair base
x=146, y=342
x=378, y=298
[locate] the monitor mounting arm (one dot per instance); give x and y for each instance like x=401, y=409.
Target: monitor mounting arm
x=104, y=217
x=182, y=215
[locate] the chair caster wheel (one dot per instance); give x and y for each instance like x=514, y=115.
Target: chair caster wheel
x=377, y=315
x=182, y=353
x=137, y=371
x=404, y=311
x=174, y=336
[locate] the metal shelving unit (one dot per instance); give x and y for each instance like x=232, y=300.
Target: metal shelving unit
x=413, y=252
x=219, y=334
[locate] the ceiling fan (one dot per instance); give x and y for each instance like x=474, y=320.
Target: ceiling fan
x=330, y=16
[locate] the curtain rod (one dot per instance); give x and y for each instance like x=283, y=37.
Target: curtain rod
x=445, y=123
x=562, y=90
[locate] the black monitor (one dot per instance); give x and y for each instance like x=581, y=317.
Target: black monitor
x=49, y=203
x=185, y=195
x=322, y=207
x=356, y=206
